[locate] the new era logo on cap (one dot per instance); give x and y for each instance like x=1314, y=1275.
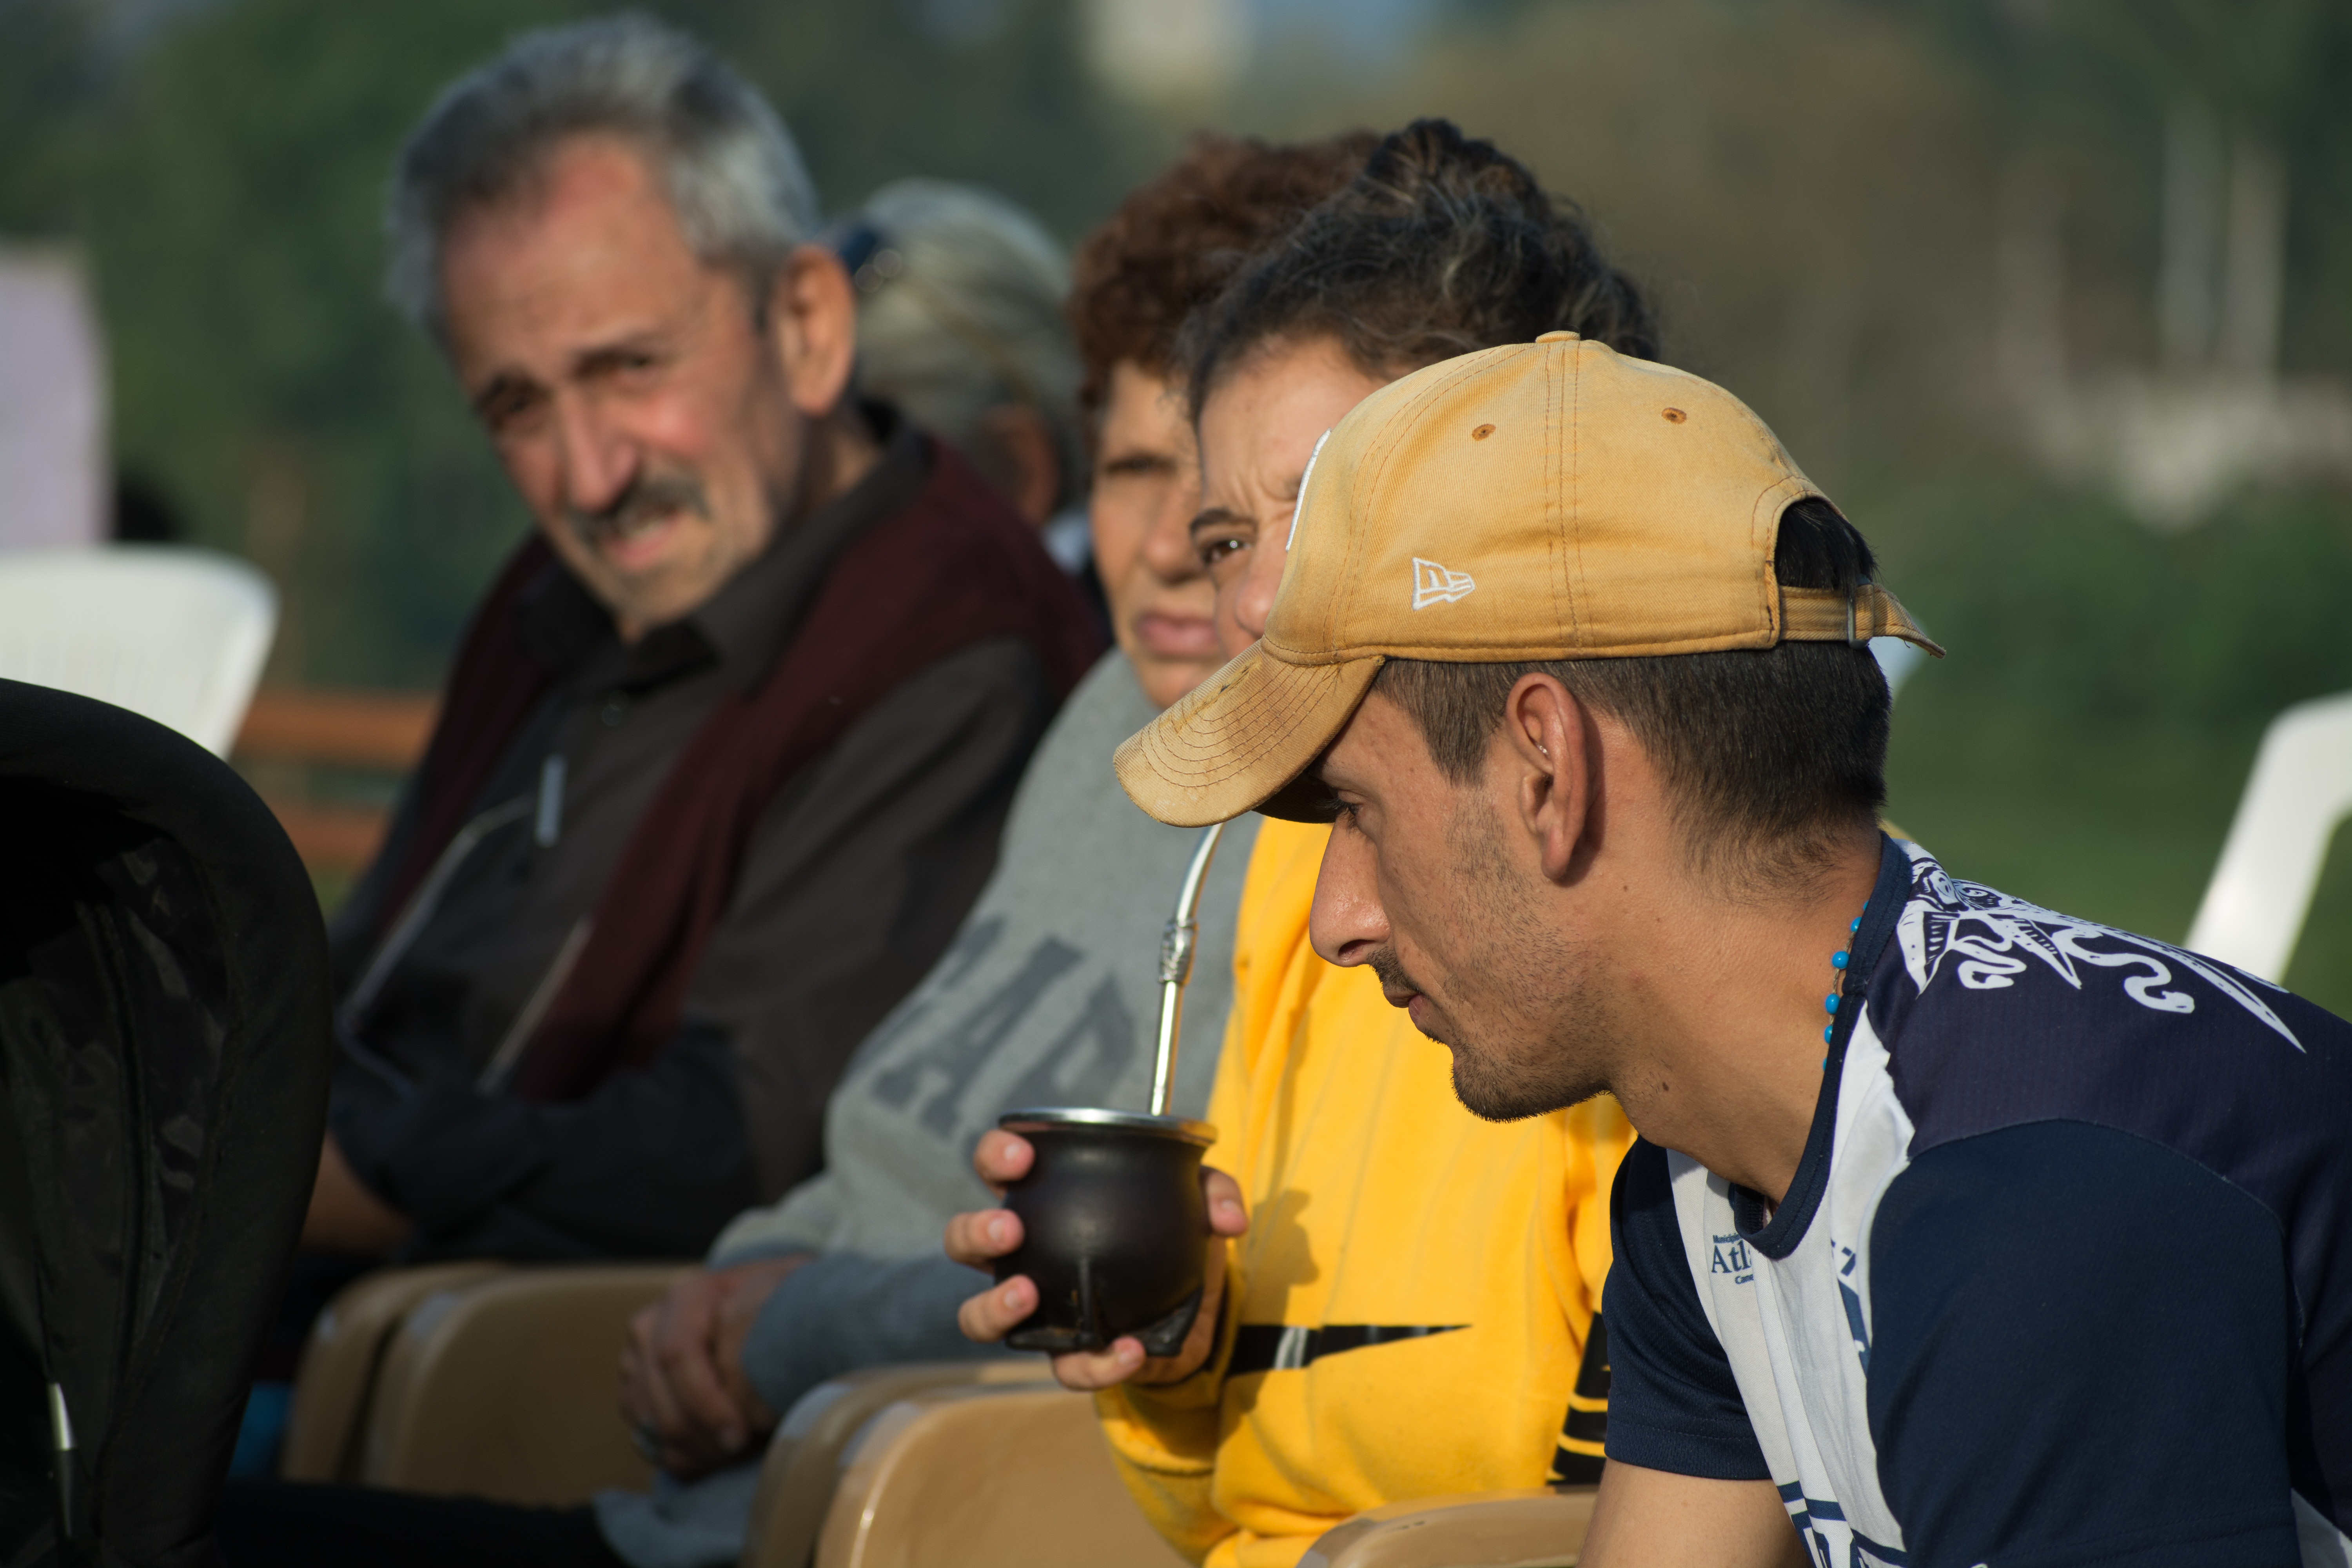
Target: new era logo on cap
x=1435, y=584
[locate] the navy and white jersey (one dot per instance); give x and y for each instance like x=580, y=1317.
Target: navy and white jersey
x=2065, y=1276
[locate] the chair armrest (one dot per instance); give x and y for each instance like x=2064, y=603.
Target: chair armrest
x=1016, y=1477
x=1474, y=1529
x=804, y=1462
x=504, y=1388
x=340, y=1362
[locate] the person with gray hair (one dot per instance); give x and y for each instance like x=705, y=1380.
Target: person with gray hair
x=740, y=196
x=726, y=752
x=960, y=326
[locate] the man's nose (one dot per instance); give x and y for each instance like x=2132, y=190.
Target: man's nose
x=1347, y=922
x=598, y=462
x=1260, y=578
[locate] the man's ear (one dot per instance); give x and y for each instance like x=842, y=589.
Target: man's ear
x=1545, y=742
x=813, y=325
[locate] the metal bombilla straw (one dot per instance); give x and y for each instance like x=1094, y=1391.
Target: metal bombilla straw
x=1112, y=1210
x=1176, y=944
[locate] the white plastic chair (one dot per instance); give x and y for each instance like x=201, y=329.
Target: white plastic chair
x=2300, y=789
x=177, y=634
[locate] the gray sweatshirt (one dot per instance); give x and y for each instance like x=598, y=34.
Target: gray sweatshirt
x=1048, y=995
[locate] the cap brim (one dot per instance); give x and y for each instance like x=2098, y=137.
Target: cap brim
x=1240, y=738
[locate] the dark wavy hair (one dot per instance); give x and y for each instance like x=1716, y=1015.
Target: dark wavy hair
x=1442, y=246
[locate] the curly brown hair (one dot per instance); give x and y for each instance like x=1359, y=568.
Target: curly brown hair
x=1181, y=238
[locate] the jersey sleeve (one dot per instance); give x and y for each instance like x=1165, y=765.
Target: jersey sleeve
x=2079, y=1352
x=1674, y=1403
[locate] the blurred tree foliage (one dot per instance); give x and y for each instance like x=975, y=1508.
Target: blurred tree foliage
x=234, y=225
x=987, y=90
x=49, y=71
x=2080, y=75
x=1815, y=188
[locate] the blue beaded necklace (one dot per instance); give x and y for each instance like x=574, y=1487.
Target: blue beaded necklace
x=1838, y=961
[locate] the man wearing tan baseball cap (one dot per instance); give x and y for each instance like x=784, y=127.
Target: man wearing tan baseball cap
x=1573, y=658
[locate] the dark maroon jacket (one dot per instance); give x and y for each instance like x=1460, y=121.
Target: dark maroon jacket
x=936, y=575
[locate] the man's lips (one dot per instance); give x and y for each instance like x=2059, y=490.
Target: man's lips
x=633, y=545
x=1176, y=636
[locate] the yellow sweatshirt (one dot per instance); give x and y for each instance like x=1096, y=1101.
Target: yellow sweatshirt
x=1412, y=1308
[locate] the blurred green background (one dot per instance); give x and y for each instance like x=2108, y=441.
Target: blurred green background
x=1951, y=249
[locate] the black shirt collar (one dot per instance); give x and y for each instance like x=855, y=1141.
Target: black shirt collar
x=744, y=626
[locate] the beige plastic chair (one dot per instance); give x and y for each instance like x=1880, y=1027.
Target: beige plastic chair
x=2300, y=789
x=984, y=1476
x=336, y=1377
x=475, y=1377
x=1013, y=1476
x=506, y=1388
x=804, y=1462
x=500, y=1381
x=1477, y=1530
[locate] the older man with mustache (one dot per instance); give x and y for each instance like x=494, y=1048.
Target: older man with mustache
x=726, y=751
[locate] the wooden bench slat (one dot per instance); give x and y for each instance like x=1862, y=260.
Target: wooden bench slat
x=384, y=729
x=333, y=838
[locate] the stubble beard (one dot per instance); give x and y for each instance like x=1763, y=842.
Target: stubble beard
x=1529, y=1026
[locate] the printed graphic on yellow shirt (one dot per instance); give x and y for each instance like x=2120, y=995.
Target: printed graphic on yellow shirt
x=1577, y=1461
x=1264, y=1347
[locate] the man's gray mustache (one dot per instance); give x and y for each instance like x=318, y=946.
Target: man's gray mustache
x=647, y=500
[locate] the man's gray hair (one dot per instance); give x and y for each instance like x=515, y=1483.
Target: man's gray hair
x=960, y=311
x=742, y=197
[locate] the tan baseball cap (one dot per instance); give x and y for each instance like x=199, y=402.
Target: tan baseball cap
x=1543, y=500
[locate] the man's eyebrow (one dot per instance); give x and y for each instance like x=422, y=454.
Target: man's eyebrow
x=1139, y=463
x=603, y=356
x=501, y=388
x=508, y=384
x=1217, y=516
